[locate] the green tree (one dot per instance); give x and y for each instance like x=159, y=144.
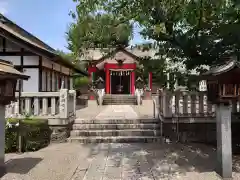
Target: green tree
x=196, y=32
x=96, y=31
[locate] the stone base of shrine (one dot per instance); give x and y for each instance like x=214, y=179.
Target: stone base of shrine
x=199, y=133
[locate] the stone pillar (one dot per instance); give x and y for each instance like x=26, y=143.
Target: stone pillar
x=71, y=83
x=74, y=100
x=63, y=107
x=107, y=81
x=224, y=142
x=132, y=82
x=2, y=140
x=176, y=82
x=167, y=104
x=168, y=79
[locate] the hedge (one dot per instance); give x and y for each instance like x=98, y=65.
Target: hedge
x=35, y=134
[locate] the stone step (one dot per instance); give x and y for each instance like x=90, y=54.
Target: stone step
x=115, y=139
x=126, y=132
x=119, y=103
x=116, y=121
x=120, y=100
x=120, y=95
x=114, y=126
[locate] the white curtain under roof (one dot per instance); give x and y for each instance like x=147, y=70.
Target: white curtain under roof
x=121, y=69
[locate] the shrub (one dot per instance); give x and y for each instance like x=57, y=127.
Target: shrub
x=80, y=82
x=35, y=134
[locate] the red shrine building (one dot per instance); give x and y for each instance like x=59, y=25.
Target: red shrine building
x=117, y=69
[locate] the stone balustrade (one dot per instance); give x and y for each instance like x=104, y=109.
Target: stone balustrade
x=189, y=116
x=58, y=108
x=188, y=105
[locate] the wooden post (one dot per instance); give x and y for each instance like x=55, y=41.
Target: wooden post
x=133, y=82
x=224, y=141
x=107, y=81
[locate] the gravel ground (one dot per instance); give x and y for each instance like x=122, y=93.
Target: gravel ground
x=70, y=161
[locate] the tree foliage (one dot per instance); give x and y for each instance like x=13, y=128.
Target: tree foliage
x=96, y=31
x=196, y=32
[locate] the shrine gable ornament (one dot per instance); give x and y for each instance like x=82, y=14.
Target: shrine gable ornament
x=223, y=82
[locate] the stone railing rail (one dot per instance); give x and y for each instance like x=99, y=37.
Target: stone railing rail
x=189, y=106
x=57, y=107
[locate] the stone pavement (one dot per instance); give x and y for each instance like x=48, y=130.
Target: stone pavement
x=89, y=112
x=69, y=161
x=116, y=111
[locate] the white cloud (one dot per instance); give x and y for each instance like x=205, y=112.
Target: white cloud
x=3, y=7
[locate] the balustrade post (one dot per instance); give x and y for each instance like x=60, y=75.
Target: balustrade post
x=63, y=107
x=74, y=94
x=36, y=106
x=167, y=104
x=16, y=109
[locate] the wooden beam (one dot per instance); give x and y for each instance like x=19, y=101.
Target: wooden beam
x=17, y=53
x=26, y=66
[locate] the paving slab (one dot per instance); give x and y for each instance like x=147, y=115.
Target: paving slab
x=117, y=112
x=137, y=161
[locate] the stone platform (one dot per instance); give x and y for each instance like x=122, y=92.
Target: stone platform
x=116, y=123
x=74, y=161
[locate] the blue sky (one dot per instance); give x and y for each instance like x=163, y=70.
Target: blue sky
x=46, y=19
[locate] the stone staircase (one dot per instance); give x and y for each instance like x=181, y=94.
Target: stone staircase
x=119, y=99
x=115, y=131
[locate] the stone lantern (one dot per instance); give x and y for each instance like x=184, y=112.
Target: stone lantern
x=8, y=81
x=223, y=86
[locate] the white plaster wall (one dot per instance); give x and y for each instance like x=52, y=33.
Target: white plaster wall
x=16, y=60
x=31, y=60
x=31, y=85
